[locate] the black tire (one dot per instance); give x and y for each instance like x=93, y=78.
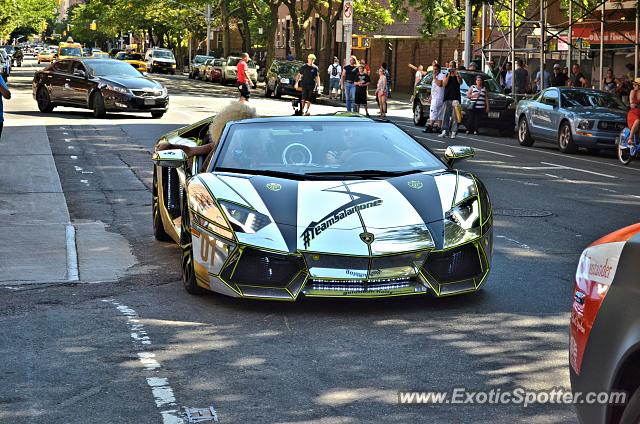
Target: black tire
x=188, y=272
x=223, y=80
x=44, y=100
x=631, y=414
x=277, y=93
x=624, y=155
x=565, y=139
x=158, y=228
x=173, y=72
x=524, y=135
x=267, y=92
x=191, y=75
x=97, y=102
x=418, y=114
x=157, y=115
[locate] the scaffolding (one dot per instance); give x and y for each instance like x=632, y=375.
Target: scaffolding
x=535, y=26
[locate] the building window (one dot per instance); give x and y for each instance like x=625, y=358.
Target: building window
x=219, y=40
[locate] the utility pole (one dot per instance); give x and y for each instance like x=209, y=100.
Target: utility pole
x=468, y=34
x=208, y=18
x=347, y=25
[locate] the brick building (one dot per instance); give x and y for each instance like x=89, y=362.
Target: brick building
x=64, y=7
x=398, y=45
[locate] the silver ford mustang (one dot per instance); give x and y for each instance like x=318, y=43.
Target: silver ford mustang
x=327, y=206
x=571, y=117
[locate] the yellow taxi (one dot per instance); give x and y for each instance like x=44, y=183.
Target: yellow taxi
x=134, y=59
x=100, y=55
x=45, y=55
x=68, y=50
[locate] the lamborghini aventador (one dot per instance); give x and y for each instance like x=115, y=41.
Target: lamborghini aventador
x=325, y=206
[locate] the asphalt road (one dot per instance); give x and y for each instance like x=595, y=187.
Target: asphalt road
x=139, y=348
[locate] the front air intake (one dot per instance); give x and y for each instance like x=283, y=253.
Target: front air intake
x=265, y=269
x=454, y=265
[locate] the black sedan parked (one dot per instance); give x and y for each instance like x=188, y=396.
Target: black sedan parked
x=502, y=108
x=102, y=85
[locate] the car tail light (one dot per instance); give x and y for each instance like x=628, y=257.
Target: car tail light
x=596, y=271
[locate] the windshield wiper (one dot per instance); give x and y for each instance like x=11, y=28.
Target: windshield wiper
x=364, y=173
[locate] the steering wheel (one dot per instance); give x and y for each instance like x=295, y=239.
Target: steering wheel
x=297, y=154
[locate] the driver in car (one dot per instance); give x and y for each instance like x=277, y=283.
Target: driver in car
x=353, y=145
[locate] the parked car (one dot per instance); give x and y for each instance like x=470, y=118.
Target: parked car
x=280, y=78
x=6, y=64
x=501, y=114
x=160, y=60
x=213, y=71
x=202, y=69
x=604, y=337
x=230, y=71
x=571, y=117
x=194, y=68
x=102, y=85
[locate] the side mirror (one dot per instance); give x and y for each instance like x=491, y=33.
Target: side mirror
x=173, y=158
x=79, y=73
x=455, y=153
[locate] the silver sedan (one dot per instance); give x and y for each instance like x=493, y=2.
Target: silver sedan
x=571, y=117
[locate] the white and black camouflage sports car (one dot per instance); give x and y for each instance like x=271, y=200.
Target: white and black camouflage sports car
x=326, y=206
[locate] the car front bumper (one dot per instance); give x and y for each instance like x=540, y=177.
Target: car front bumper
x=595, y=139
x=116, y=102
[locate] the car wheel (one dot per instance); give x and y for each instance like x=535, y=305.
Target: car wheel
x=276, y=91
x=624, y=154
x=418, y=115
x=267, y=92
x=223, y=81
x=631, y=414
x=99, y=110
x=188, y=272
x=524, y=136
x=157, y=115
x=173, y=72
x=158, y=228
x=44, y=100
x=565, y=139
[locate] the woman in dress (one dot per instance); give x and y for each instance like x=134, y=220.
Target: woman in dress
x=437, y=99
x=381, y=92
x=633, y=116
x=477, y=93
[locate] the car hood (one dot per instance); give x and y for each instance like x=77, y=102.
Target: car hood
x=131, y=82
x=403, y=213
x=600, y=113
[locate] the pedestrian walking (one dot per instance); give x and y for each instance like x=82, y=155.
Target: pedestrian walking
x=361, y=83
x=244, y=81
x=381, y=92
x=477, y=94
x=559, y=78
x=308, y=79
x=520, y=80
x=4, y=92
x=577, y=79
x=335, y=70
x=452, y=99
x=347, y=79
x=437, y=98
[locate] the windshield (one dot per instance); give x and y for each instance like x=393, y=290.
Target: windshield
x=70, y=51
x=317, y=147
x=163, y=54
x=580, y=98
x=233, y=61
x=289, y=68
x=112, y=68
x=201, y=59
x=129, y=56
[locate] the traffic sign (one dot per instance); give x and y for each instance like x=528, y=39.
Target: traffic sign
x=347, y=12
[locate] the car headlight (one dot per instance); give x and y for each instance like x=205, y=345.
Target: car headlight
x=512, y=106
x=173, y=65
x=585, y=124
x=117, y=89
x=243, y=219
x=462, y=223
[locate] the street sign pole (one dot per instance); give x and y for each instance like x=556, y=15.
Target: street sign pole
x=468, y=34
x=347, y=22
x=208, y=28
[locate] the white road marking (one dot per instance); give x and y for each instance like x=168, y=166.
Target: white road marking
x=65, y=133
x=493, y=153
x=85, y=182
x=73, y=157
x=70, y=147
x=608, y=190
x=551, y=175
x=77, y=168
x=419, y=137
x=162, y=392
x=524, y=246
x=519, y=181
x=72, y=254
x=579, y=170
x=67, y=140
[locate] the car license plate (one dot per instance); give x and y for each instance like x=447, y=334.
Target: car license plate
x=149, y=102
x=494, y=115
x=284, y=80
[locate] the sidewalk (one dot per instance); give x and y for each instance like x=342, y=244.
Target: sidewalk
x=37, y=242
x=398, y=101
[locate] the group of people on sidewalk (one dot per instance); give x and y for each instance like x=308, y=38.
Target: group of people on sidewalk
x=354, y=81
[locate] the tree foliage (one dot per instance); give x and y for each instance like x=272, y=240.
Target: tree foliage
x=25, y=13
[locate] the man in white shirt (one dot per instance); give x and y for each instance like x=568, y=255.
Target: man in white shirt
x=335, y=71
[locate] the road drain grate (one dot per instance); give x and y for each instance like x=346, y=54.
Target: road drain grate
x=201, y=415
x=524, y=213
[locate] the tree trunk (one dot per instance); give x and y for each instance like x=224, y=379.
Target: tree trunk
x=247, y=45
x=298, y=37
x=224, y=16
x=271, y=32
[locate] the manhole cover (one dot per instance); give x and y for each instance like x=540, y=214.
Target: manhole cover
x=525, y=213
